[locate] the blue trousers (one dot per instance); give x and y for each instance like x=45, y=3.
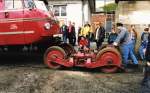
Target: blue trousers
x=132, y=52
x=65, y=38
x=142, y=55
x=127, y=51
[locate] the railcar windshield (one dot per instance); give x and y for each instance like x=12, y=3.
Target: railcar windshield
x=41, y=5
x=35, y=4
x=29, y=4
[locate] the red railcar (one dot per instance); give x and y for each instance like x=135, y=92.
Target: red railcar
x=26, y=22
x=27, y=25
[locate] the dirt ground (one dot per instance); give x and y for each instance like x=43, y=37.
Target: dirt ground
x=29, y=75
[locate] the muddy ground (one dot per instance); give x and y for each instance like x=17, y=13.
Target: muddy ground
x=21, y=74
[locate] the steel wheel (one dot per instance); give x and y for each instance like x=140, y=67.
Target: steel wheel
x=51, y=53
x=110, y=58
x=69, y=49
x=102, y=47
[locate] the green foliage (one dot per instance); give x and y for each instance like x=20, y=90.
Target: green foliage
x=110, y=7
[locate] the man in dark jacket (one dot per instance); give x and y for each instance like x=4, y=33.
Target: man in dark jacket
x=74, y=34
x=100, y=35
x=64, y=31
x=144, y=41
x=146, y=80
x=71, y=34
x=148, y=49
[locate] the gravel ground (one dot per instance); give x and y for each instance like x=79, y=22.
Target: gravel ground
x=29, y=75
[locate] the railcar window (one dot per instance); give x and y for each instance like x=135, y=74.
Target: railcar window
x=13, y=4
x=29, y=4
x=56, y=11
x=41, y=5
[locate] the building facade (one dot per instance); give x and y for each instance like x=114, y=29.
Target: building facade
x=106, y=19
x=77, y=11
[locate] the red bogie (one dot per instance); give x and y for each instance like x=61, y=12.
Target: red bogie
x=108, y=59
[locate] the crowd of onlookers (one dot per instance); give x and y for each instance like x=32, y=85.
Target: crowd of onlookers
x=85, y=32
x=69, y=33
x=120, y=35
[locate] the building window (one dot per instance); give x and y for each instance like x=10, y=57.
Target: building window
x=63, y=11
x=56, y=10
x=60, y=10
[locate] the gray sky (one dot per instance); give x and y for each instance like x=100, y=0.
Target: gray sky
x=100, y=3
x=104, y=0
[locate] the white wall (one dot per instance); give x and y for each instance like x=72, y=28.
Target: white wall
x=74, y=13
x=79, y=13
x=86, y=11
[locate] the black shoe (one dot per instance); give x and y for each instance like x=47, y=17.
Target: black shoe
x=136, y=66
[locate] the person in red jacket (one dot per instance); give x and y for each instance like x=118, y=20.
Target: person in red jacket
x=83, y=44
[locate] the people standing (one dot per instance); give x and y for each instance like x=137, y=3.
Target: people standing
x=71, y=33
x=74, y=33
x=144, y=41
x=147, y=54
x=79, y=33
x=133, y=35
x=86, y=32
x=64, y=32
x=112, y=37
x=100, y=35
x=146, y=80
x=125, y=42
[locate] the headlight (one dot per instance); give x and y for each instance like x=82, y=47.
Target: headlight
x=47, y=26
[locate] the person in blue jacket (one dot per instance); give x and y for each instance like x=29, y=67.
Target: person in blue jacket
x=144, y=41
x=112, y=37
x=124, y=40
x=147, y=54
x=145, y=88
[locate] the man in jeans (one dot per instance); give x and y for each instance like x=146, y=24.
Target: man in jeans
x=146, y=80
x=144, y=41
x=64, y=31
x=125, y=42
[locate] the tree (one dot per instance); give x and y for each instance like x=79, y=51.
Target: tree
x=110, y=7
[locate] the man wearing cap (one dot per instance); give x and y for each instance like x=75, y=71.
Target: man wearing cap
x=124, y=41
